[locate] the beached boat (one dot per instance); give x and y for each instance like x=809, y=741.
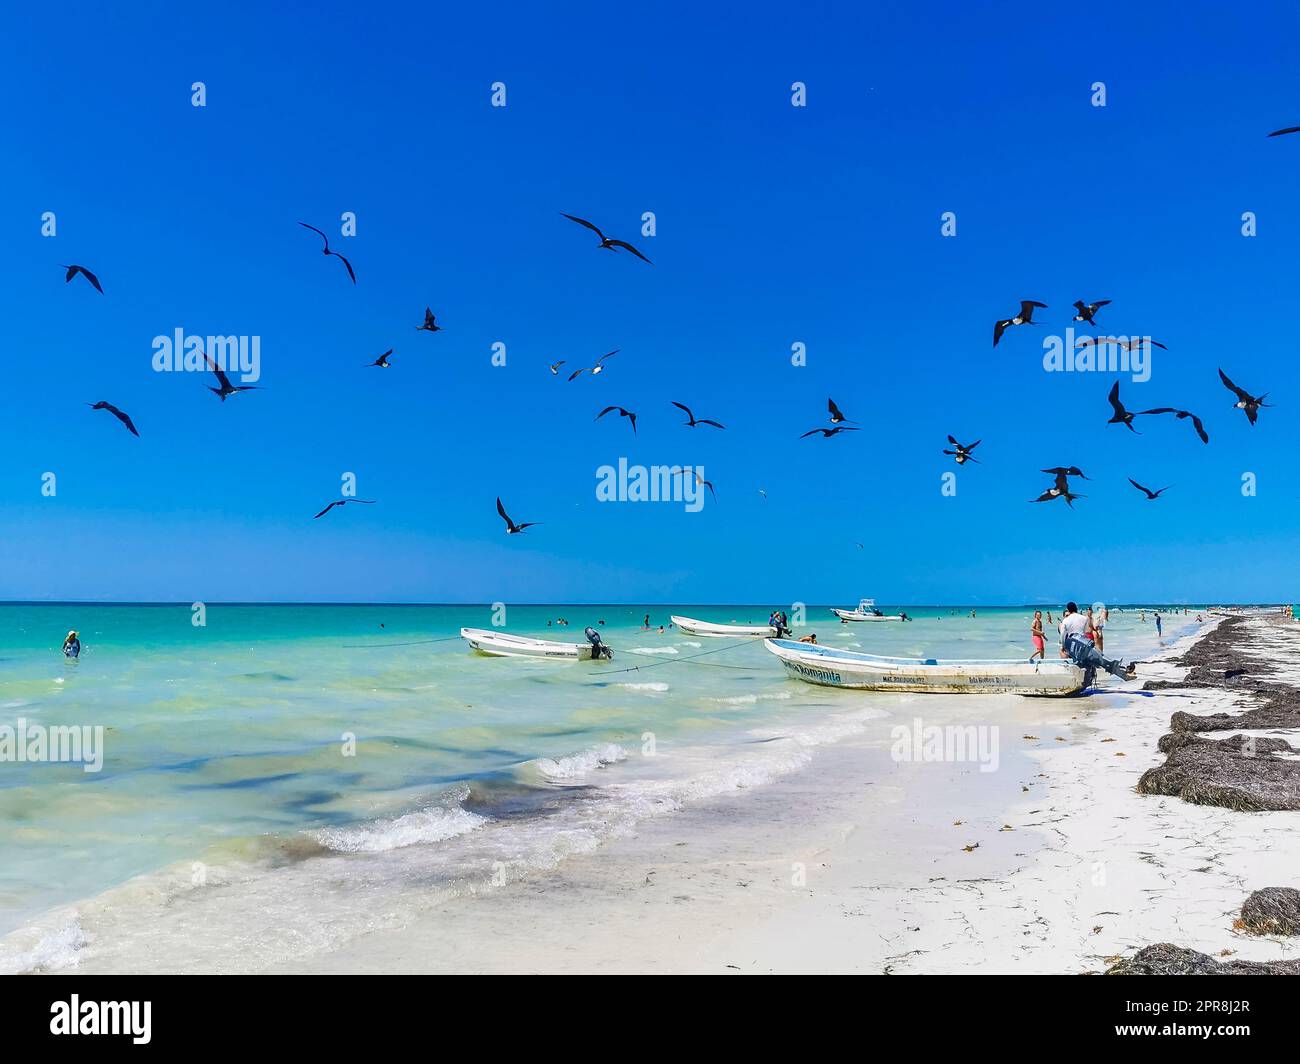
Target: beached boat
x=691, y=626
x=505, y=645
x=832, y=667
x=866, y=611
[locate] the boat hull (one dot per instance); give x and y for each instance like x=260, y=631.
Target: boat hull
x=858, y=615
x=691, y=626
x=830, y=667
x=503, y=645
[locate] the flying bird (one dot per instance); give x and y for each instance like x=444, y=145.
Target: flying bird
x=226, y=389
x=1127, y=345
x=1149, y=493
x=828, y=433
x=597, y=368
x=1061, y=488
x=1065, y=471
x=121, y=416
x=329, y=251
x=1289, y=129
x=382, y=361
x=342, y=502
x=622, y=413
x=1087, y=310
x=699, y=480
x=1121, y=416
x=1245, y=401
x=693, y=422
x=836, y=414
x=511, y=527
x=1025, y=317
x=430, y=323
x=605, y=241
x=962, y=454
x=1181, y=415
x=74, y=270
x=555, y=368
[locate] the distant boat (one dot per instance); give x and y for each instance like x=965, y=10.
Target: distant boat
x=691, y=626
x=504, y=645
x=867, y=611
x=832, y=667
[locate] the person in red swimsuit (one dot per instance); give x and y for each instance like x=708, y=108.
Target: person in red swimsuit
x=1036, y=632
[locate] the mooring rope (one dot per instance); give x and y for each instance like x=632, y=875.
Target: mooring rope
x=415, y=643
x=671, y=660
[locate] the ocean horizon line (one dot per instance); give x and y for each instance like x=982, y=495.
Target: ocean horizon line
x=165, y=603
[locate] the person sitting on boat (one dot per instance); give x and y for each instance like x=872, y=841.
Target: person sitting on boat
x=1079, y=650
x=72, y=645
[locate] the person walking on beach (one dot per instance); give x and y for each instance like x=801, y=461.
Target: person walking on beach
x=72, y=645
x=1036, y=634
x=1075, y=647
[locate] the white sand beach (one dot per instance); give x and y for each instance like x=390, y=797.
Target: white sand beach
x=860, y=863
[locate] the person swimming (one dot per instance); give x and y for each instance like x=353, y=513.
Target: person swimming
x=72, y=645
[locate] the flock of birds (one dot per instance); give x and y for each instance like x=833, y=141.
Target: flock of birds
x=1085, y=312
x=1121, y=415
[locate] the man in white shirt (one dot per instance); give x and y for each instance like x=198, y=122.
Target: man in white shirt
x=1084, y=654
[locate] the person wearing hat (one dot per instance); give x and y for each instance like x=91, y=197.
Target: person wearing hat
x=72, y=645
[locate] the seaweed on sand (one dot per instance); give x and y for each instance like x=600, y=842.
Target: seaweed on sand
x=1271, y=911
x=1238, y=773
x=1166, y=959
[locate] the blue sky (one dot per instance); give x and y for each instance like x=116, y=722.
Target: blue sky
x=776, y=225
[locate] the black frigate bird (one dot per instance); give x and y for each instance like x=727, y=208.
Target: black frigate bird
x=330, y=251
x=121, y=415
x=610, y=243
x=1025, y=317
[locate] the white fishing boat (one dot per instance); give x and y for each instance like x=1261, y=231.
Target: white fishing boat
x=832, y=667
x=691, y=626
x=867, y=611
x=505, y=645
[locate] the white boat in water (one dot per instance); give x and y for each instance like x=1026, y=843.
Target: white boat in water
x=505, y=645
x=867, y=611
x=832, y=667
x=691, y=626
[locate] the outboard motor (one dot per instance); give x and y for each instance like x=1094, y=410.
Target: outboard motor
x=598, y=649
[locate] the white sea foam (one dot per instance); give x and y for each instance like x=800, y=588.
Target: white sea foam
x=54, y=951
x=655, y=687
x=578, y=765
x=423, y=826
x=655, y=650
x=831, y=731
x=749, y=700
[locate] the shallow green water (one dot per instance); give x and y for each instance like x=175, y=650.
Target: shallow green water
x=281, y=733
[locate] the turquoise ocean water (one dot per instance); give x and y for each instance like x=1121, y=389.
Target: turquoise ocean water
x=286, y=777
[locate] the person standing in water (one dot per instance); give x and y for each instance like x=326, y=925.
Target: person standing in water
x=1160, y=628
x=72, y=645
x=1036, y=633
x=1099, y=626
